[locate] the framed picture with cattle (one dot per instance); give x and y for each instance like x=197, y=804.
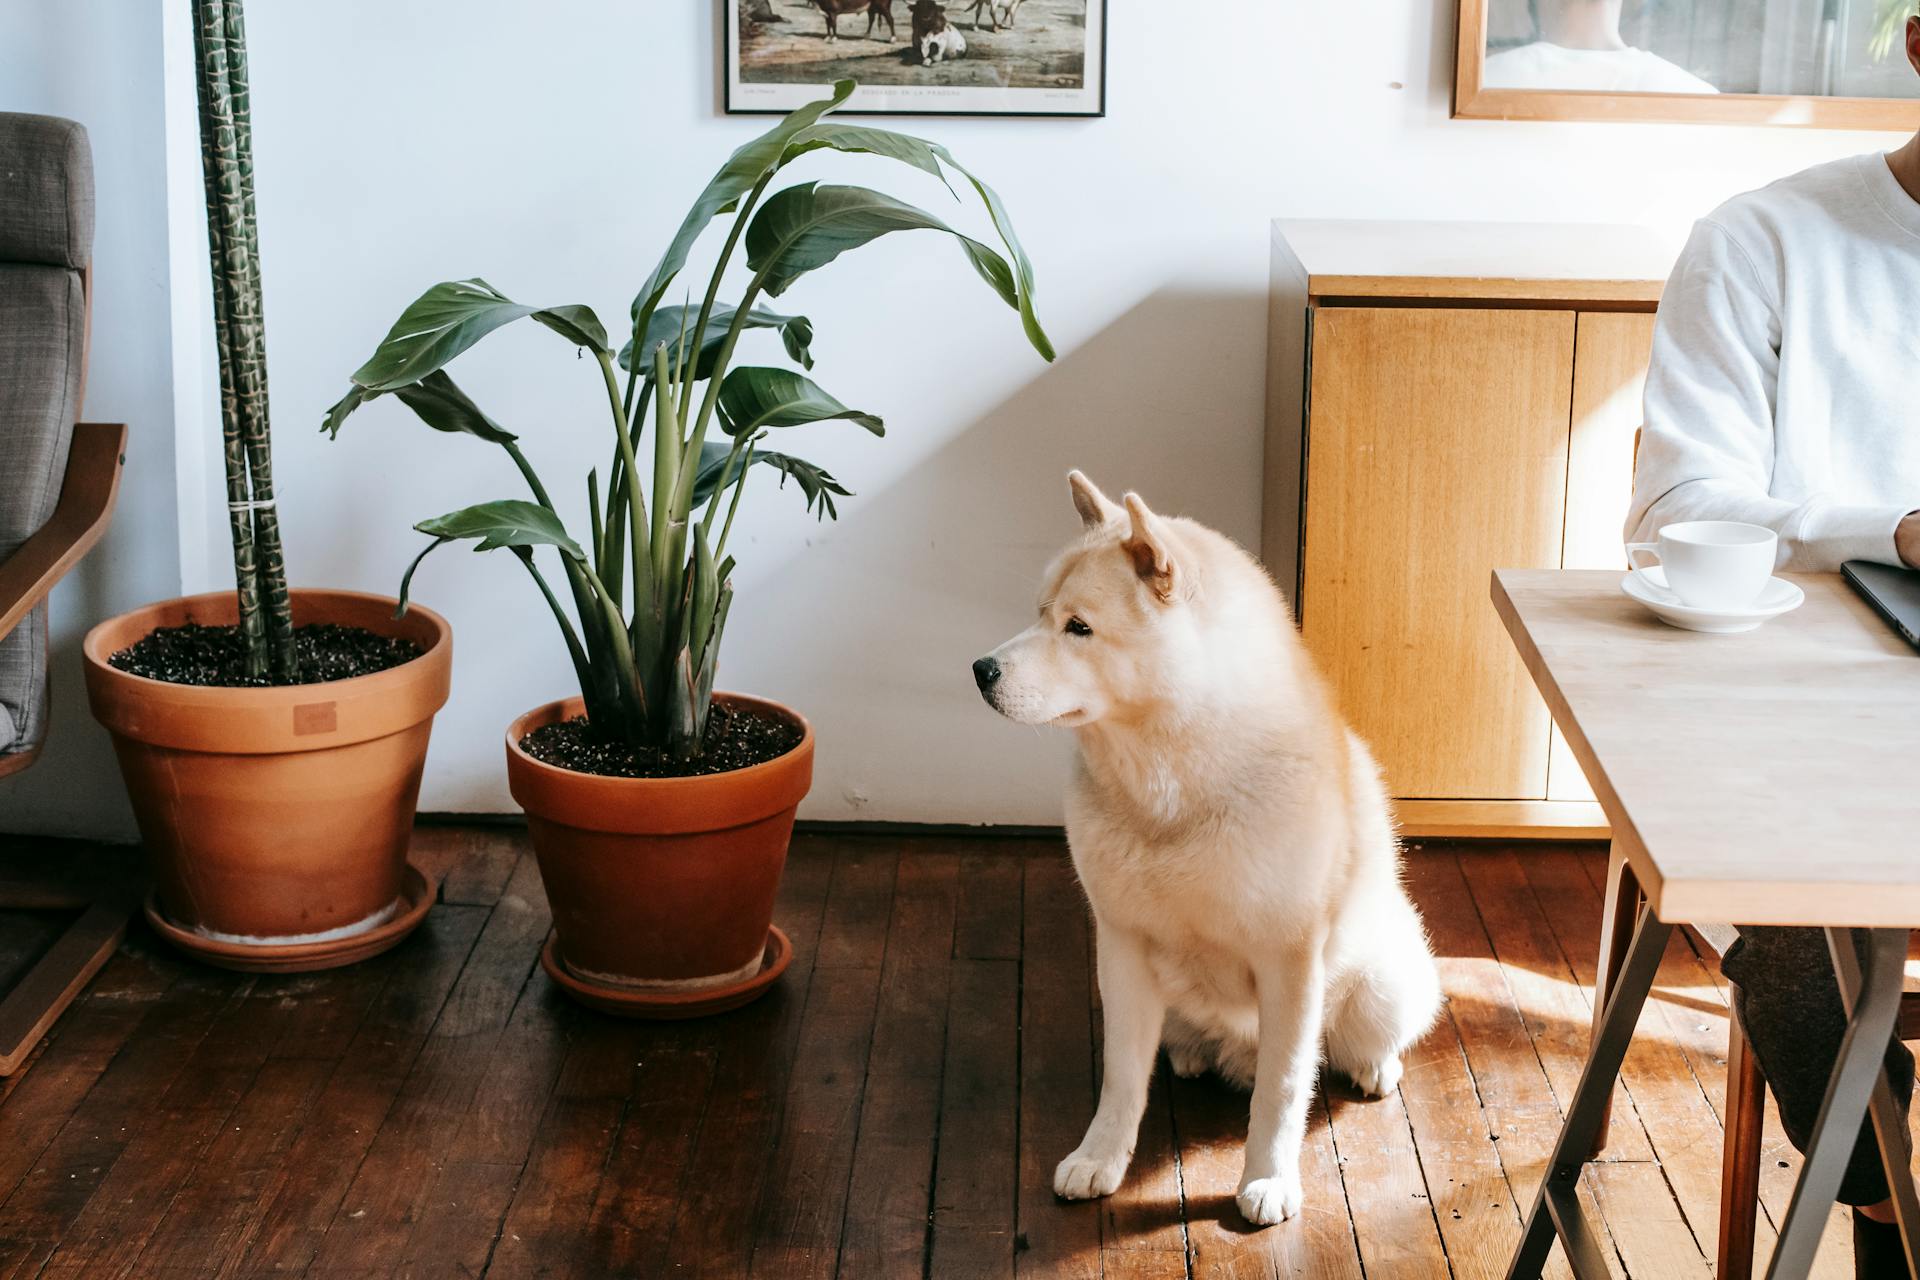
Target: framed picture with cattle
x=919, y=57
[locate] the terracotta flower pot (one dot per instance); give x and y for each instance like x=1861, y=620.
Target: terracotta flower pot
x=661, y=885
x=274, y=814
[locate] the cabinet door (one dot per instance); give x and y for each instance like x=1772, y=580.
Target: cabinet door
x=1610, y=352
x=1436, y=453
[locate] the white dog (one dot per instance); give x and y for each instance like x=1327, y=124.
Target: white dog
x=944, y=45
x=1232, y=835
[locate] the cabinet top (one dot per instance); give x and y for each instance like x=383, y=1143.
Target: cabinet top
x=1518, y=261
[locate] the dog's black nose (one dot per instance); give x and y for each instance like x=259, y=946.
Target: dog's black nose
x=985, y=672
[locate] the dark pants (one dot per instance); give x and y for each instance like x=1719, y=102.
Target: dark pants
x=1788, y=1002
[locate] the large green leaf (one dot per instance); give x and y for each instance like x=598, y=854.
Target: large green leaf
x=449, y=318
x=929, y=157
x=1003, y=223
x=866, y=140
x=506, y=523
x=752, y=397
x=805, y=227
x=816, y=485
x=740, y=174
x=435, y=399
x=665, y=325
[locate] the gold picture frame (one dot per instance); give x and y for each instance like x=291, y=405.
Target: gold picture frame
x=1473, y=100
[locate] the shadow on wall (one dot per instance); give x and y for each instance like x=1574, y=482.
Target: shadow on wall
x=1168, y=400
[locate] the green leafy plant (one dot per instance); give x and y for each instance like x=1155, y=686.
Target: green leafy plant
x=651, y=584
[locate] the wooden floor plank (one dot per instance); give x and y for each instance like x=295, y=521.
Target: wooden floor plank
x=471, y=863
x=469, y=1047
x=987, y=920
x=1057, y=1084
x=627, y=1230
x=1558, y=1016
x=85, y=1041
x=886, y=1232
x=124, y=1107
x=545, y=1223
x=358, y=1096
x=976, y=1167
x=1386, y=1186
x=802, y=1212
x=712, y=1229
x=1515, y=1095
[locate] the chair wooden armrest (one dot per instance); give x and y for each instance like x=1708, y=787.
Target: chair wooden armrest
x=94, y=463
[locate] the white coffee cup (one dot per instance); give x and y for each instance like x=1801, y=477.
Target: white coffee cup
x=1710, y=564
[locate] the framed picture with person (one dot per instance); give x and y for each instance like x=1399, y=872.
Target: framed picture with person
x=918, y=57
x=1828, y=64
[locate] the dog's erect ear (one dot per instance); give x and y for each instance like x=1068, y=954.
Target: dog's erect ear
x=1095, y=507
x=1147, y=542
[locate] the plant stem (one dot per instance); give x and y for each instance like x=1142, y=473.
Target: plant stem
x=683, y=491
x=527, y=473
x=582, y=668
x=636, y=501
x=726, y=478
x=740, y=487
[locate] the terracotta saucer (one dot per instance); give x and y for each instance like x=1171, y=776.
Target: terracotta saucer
x=625, y=1003
x=416, y=899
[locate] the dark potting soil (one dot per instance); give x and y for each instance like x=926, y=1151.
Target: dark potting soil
x=193, y=654
x=735, y=740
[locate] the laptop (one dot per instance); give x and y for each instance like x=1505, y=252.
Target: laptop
x=1894, y=593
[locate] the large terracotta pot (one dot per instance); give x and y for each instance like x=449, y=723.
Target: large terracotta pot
x=278, y=813
x=660, y=884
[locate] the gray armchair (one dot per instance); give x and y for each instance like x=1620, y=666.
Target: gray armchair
x=54, y=498
x=58, y=480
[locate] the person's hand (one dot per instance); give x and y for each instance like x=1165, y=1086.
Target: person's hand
x=1906, y=540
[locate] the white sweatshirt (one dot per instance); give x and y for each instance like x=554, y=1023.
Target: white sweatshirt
x=1785, y=383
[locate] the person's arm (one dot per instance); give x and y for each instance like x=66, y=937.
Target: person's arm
x=1906, y=540
x=1707, y=447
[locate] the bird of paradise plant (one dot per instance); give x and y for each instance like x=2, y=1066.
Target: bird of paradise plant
x=651, y=585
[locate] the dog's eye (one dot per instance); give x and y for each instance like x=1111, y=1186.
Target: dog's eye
x=1075, y=627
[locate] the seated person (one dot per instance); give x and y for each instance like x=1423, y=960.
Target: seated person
x=1581, y=48
x=1785, y=391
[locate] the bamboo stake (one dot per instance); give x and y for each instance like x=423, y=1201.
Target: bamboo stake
x=251, y=359
x=210, y=52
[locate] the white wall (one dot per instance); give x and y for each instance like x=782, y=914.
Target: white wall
x=552, y=148
x=97, y=61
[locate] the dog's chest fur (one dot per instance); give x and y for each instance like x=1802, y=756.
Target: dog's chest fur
x=1189, y=847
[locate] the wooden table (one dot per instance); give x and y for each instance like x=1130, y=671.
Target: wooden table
x=1765, y=778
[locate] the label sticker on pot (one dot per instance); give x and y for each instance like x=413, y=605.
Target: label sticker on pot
x=315, y=717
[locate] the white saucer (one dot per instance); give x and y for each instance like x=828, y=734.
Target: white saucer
x=1778, y=597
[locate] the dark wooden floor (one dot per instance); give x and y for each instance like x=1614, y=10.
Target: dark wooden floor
x=894, y=1108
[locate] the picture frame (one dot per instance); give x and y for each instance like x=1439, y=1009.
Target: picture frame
x=1475, y=99
x=1032, y=58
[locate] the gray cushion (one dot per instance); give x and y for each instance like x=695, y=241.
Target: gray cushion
x=46, y=191
x=46, y=232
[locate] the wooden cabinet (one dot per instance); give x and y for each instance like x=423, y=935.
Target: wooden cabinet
x=1447, y=399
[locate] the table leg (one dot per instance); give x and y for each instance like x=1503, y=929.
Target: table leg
x=1862, y=1051
x=1622, y=911
x=1889, y=1129
x=1555, y=1204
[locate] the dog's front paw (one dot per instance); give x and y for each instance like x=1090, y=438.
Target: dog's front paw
x=1087, y=1175
x=1265, y=1201
x=1378, y=1079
